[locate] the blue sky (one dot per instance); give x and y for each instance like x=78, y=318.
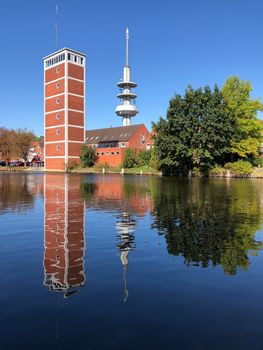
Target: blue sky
x=172, y=44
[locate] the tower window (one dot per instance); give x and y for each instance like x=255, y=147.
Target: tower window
x=57, y=69
x=58, y=147
x=57, y=100
x=57, y=85
x=57, y=116
x=58, y=132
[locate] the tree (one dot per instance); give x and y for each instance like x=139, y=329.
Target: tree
x=247, y=138
x=130, y=158
x=196, y=132
x=144, y=157
x=23, y=142
x=87, y=156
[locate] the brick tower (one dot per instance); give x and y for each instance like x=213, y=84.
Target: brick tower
x=64, y=93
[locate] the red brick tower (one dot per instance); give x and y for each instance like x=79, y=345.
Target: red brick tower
x=64, y=93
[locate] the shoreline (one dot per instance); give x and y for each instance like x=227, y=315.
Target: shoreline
x=257, y=173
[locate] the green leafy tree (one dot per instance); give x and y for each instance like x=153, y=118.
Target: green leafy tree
x=196, y=133
x=144, y=157
x=130, y=159
x=87, y=156
x=247, y=138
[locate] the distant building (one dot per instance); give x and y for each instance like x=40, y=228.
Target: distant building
x=111, y=143
x=64, y=108
x=36, y=149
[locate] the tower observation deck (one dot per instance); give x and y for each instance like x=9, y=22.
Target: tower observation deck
x=126, y=109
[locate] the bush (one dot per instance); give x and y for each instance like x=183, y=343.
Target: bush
x=104, y=165
x=87, y=156
x=240, y=168
x=144, y=157
x=130, y=159
x=217, y=171
x=71, y=166
x=258, y=162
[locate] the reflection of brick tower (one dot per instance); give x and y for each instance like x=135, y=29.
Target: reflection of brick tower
x=64, y=238
x=64, y=108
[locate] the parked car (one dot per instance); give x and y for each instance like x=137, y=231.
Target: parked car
x=37, y=162
x=2, y=163
x=16, y=163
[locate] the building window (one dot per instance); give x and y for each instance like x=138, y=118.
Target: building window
x=148, y=146
x=98, y=154
x=118, y=152
x=58, y=116
x=112, y=153
x=123, y=144
x=58, y=147
x=57, y=85
x=58, y=132
x=102, y=153
x=57, y=100
x=57, y=69
x=107, y=153
x=142, y=138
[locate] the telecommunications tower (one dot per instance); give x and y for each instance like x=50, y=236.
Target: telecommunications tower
x=126, y=109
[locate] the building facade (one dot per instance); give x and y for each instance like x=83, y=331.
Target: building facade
x=64, y=108
x=110, y=143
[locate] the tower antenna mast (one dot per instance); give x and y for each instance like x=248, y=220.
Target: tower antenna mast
x=56, y=26
x=127, y=47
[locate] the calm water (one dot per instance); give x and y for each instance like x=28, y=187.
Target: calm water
x=133, y=262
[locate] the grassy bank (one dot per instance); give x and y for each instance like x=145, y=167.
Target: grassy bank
x=144, y=170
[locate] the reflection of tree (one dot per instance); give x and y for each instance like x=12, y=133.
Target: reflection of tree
x=87, y=190
x=208, y=221
x=15, y=193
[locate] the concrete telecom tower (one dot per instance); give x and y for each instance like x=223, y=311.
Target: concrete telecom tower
x=126, y=109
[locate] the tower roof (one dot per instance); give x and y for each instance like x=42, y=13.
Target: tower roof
x=64, y=49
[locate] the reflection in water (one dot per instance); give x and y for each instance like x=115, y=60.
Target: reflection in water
x=18, y=191
x=126, y=237
x=64, y=236
x=209, y=222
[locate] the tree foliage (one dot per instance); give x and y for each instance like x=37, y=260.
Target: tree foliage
x=130, y=159
x=196, y=132
x=144, y=157
x=87, y=156
x=15, y=143
x=23, y=142
x=240, y=106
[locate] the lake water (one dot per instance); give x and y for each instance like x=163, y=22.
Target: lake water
x=130, y=262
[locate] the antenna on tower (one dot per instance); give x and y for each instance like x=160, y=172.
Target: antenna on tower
x=127, y=47
x=56, y=26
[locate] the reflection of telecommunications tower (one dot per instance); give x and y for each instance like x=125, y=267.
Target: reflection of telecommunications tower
x=126, y=228
x=126, y=109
